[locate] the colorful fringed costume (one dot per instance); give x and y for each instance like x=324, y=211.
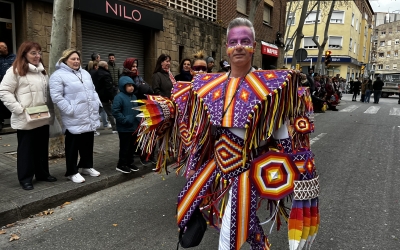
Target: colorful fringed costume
x=222, y=128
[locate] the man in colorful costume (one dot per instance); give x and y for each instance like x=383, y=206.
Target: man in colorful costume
x=240, y=138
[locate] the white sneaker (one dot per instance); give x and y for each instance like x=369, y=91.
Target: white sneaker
x=115, y=132
x=96, y=133
x=90, y=171
x=109, y=126
x=77, y=178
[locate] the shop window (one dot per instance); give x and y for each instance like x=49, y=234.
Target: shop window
x=312, y=17
x=335, y=42
x=241, y=6
x=267, y=14
x=291, y=19
x=337, y=16
x=309, y=43
x=206, y=9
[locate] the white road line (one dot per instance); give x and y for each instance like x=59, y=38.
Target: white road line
x=317, y=138
x=350, y=108
x=394, y=111
x=372, y=110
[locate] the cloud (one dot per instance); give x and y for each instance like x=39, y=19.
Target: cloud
x=385, y=5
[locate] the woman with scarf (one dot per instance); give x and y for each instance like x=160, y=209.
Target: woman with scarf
x=162, y=79
x=131, y=66
x=184, y=69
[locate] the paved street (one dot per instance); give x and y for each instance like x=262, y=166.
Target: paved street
x=357, y=156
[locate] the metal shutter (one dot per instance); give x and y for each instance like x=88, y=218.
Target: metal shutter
x=104, y=38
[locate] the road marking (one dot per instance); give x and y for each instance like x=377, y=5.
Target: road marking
x=350, y=108
x=372, y=110
x=317, y=138
x=394, y=111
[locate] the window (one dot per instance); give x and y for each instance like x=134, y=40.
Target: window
x=373, y=67
x=352, y=19
x=312, y=17
x=387, y=67
x=359, y=31
x=291, y=19
x=383, y=32
x=365, y=31
x=389, y=42
x=355, y=47
x=382, y=43
x=396, y=41
x=365, y=51
x=287, y=43
x=380, y=66
x=357, y=24
x=351, y=40
x=337, y=16
x=206, y=9
x=388, y=54
x=267, y=14
x=241, y=6
x=396, y=53
x=335, y=42
x=381, y=54
x=398, y=28
x=394, y=66
x=390, y=30
x=309, y=43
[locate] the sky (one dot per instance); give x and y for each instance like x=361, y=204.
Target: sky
x=385, y=5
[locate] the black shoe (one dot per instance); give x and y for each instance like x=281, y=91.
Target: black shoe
x=48, y=179
x=123, y=169
x=27, y=186
x=145, y=163
x=133, y=168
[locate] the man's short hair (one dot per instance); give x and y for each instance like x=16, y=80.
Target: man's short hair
x=240, y=21
x=111, y=54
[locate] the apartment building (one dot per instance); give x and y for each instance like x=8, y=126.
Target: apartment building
x=350, y=29
x=146, y=28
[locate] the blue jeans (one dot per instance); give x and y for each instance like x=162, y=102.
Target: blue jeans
x=377, y=95
x=103, y=115
x=367, y=95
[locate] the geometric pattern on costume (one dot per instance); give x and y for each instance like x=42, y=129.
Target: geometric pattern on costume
x=306, y=189
x=229, y=154
x=304, y=163
x=273, y=175
x=190, y=196
x=303, y=125
x=243, y=94
x=286, y=144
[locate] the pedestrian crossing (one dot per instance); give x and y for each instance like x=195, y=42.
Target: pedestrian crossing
x=370, y=110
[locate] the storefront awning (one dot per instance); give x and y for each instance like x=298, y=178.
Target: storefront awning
x=269, y=49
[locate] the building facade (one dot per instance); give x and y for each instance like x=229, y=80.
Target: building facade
x=146, y=28
x=349, y=41
x=385, y=49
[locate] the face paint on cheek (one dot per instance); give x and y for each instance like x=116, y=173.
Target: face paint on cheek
x=248, y=48
x=230, y=50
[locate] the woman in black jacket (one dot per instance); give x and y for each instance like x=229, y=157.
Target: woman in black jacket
x=184, y=69
x=142, y=89
x=162, y=79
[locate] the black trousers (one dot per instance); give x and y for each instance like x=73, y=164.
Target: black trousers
x=33, y=154
x=82, y=144
x=127, y=146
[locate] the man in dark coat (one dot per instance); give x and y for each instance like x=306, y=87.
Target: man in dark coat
x=103, y=82
x=356, y=89
x=377, y=86
x=6, y=60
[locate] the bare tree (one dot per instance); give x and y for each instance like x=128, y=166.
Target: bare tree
x=60, y=40
x=253, y=8
x=299, y=30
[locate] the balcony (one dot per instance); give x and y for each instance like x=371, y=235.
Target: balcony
x=373, y=60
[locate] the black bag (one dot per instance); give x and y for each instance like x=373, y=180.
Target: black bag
x=195, y=229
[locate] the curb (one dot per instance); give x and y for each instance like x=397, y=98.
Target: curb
x=20, y=208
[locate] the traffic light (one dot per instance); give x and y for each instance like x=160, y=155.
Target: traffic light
x=328, y=58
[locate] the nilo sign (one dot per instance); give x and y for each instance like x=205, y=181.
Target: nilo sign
x=269, y=49
x=120, y=10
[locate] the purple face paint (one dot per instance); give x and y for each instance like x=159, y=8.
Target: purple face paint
x=237, y=36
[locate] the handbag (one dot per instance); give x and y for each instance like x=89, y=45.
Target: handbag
x=37, y=113
x=195, y=229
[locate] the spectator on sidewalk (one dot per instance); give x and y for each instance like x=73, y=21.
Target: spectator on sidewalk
x=210, y=64
x=162, y=79
x=185, y=74
x=377, y=86
x=114, y=70
x=225, y=67
x=131, y=70
x=364, y=86
x=72, y=90
x=127, y=124
x=103, y=83
x=356, y=89
x=95, y=57
x=6, y=60
x=368, y=91
x=26, y=84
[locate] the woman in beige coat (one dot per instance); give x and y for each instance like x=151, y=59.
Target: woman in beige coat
x=24, y=85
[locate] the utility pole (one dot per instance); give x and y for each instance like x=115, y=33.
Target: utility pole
x=60, y=40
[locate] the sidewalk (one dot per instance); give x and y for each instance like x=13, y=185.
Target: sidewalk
x=16, y=203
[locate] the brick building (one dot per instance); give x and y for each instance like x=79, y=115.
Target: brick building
x=146, y=28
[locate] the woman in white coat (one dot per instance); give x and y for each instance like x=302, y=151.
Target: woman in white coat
x=72, y=90
x=25, y=85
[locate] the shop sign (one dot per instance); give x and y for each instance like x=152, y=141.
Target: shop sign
x=269, y=49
